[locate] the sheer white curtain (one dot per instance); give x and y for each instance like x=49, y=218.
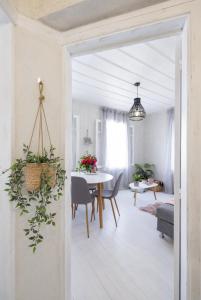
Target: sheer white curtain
x=169, y=165
x=115, y=150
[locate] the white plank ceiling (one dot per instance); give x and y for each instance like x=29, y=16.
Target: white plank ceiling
x=106, y=78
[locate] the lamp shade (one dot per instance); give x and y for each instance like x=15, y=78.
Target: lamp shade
x=137, y=112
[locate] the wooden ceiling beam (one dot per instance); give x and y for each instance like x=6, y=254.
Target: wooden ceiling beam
x=37, y=9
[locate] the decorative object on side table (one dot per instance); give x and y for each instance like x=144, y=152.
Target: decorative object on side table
x=88, y=163
x=36, y=181
x=159, y=187
x=136, y=179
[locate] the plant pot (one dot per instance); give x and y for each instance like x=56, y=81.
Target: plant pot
x=33, y=173
x=144, y=181
x=136, y=183
x=93, y=169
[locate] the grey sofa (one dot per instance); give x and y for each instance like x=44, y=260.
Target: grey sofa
x=165, y=219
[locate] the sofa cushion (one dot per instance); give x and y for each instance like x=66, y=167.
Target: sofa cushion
x=166, y=212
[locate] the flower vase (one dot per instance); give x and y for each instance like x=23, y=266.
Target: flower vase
x=93, y=169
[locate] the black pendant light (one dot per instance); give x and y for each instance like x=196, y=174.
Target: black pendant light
x=137, y=112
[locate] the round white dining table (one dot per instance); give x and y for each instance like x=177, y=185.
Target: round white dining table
x=97, y=179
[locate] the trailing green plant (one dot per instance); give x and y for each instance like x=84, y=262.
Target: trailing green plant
x=145, y=171
x=35, y=204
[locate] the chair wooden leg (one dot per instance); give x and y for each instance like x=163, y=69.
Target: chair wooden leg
x=113, y=212
x=72, y=209
x=103, y=200
x=135, y=197
x=93, y=211
x=97, y=205
x=87, y=221
x=116, y=206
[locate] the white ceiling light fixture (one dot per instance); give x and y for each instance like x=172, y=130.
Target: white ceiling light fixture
x=137, y=111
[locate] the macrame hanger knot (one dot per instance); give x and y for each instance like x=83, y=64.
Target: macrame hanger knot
x=41, y=97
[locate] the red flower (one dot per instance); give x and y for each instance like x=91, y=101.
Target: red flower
x=88, y=160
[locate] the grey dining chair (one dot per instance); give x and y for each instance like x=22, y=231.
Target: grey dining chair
x=80, y=195
x=111, y=194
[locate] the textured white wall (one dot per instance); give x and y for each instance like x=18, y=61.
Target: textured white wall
x=42, y=275
x=88, y=114
x=6, y=216
x=138, y=141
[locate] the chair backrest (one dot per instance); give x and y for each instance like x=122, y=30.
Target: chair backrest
x=117, y=184
x=79, y=191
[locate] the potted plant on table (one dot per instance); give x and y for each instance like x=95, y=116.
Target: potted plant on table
x=88, y=163
x=136, y=178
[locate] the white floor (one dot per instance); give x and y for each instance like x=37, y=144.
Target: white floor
x=128, y=263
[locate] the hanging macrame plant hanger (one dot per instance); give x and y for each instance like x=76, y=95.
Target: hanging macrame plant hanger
x=40, y=119
x=34, y=170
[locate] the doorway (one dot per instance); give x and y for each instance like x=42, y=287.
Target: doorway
x=87, y=48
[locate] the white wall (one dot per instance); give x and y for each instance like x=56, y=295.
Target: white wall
x=88, y=114
x=41, y=275
x=138, y=142
x=6, y=117
x=154, y=148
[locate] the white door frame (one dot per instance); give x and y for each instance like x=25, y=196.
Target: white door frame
x=184, y=34
x=7, y=216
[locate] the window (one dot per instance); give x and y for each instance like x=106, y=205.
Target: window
x=172, y=148
x=131, y=145
x=98, y=141
x=116, y=145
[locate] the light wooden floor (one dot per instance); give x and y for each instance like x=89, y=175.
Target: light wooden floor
x=128, y=263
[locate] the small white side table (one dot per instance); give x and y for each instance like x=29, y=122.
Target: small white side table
x=141, y=186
